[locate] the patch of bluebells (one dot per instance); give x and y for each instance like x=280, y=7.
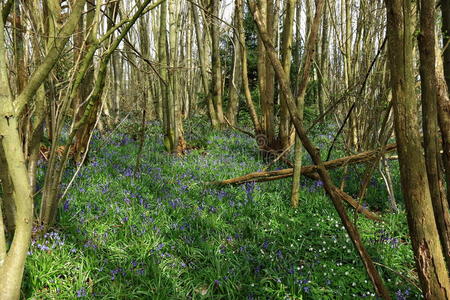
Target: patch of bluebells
x=249, y=187
x=402, y=295
x=128, y=172
x=384, y=238
x=66, y=205
x=81, y=293
x=116, y=272
x=221, y=194
x=90, y=244
x=49, y=241
x=317, y=185
x=125, y=140
x=175, y=203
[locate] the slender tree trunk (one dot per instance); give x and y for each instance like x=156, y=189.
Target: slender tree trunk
x=269, y=92
x=303, y=84
x=323, y=59
x=286, y=55
x=262, y=73
x=204, y=75
x=235, y=83
x=19, y=51
x=245, y=82
x=216, y=68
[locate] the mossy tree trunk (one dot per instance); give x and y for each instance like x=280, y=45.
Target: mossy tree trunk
x=430, y=262
x=427, y=54
x=307, y=63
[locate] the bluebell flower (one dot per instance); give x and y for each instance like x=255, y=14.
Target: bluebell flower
x=81, y=293
x=128, y=172
x=140, y=271
x=291, y=270
x=249, y=188
x=221, y=195
x=66, y=205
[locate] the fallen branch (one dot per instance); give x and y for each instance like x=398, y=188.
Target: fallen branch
x=306, y=170
x=310, y=171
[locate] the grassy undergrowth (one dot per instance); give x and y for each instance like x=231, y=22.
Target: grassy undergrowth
x=165, y=234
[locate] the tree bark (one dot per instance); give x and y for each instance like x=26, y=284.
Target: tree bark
x=414, y=180
x=430, y=123
x=216, y=68
x=443, y=73
x=235, y=83
x=204, y=75
x=12, y=265
x=303, y=84
x=286, y=55
x=245, y=82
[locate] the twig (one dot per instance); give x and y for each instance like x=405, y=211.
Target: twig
x=399, y=274
x=118, y=125
x=239, y=129
x=85, y=154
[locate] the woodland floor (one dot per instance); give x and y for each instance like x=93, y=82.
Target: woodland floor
x=165, y=234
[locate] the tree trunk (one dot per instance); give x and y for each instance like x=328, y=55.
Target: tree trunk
x=286, y=55
x=235, y=83
x=245, y=82
x=422, y=225
x=204, y=75
x=308, y=59
x=443, y=98
x=11, y=268
x=430, y=124
x=216, y=69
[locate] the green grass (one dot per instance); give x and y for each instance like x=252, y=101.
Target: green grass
x=167, y=235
